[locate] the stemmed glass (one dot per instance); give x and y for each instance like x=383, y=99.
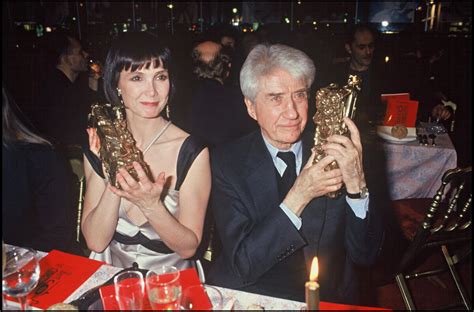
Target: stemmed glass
x=129, y=290
x=21, y=274
x=191, y=299
x=163, y=288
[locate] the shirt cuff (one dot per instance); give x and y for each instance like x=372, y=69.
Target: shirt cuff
x=359, y=206
x=292, y=216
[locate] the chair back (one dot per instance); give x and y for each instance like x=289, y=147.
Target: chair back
x=74, y=156
x=448, y=218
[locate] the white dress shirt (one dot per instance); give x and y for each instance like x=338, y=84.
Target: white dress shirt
x=358, y=206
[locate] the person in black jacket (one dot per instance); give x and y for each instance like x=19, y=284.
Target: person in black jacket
x=37, y=211
x=268, y=198
x=218, y=114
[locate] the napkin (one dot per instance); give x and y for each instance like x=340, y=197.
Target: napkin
x=187, y=277
x=61, y=274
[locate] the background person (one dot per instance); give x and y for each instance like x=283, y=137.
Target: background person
x=37, y=210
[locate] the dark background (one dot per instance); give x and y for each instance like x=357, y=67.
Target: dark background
x=316, y=27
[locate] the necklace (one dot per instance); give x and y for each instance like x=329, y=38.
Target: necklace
x=157, y=136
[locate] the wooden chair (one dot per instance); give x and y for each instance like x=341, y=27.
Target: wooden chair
x=442, y=223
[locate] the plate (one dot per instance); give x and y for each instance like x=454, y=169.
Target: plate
x=385, y=132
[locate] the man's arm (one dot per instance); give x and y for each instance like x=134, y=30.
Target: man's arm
x=252, y=246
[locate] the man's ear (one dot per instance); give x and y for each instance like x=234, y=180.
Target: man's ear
x=250, y=108
x=348, y=48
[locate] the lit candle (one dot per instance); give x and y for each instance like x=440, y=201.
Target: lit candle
x=312, y=287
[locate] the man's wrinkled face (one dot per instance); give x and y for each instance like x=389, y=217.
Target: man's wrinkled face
x=280, y=108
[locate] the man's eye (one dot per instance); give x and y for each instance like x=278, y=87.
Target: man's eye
x=301, y=95
x=276, y=98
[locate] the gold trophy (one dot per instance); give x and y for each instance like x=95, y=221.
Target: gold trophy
x=117, y=145
x=332, y=105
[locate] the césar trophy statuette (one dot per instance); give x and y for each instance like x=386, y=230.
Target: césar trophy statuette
x=332, y=105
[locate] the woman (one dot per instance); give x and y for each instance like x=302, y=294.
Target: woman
x=37, y=207
x=150, y=223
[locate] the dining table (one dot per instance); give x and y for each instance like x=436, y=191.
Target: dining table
x=232, y=299
x=415, y=170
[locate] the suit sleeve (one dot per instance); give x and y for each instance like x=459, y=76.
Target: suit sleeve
x=364, y=238
x=252, y=244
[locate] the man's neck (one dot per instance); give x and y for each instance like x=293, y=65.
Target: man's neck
x=70, y=74
x=357, y=67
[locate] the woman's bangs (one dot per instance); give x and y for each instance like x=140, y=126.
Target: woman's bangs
x=134, y=65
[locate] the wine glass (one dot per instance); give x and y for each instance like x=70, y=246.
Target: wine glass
x=192, y=299
x=163, y=288
x=129, y=290
x=21, y=275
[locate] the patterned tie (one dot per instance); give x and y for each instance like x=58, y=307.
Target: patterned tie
x=289, y=176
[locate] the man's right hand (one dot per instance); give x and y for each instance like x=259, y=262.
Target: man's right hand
x=313, y=182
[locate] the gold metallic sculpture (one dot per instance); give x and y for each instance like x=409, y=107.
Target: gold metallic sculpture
x=117, y=145
x=332, y=105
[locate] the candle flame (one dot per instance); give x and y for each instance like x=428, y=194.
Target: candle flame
x=313, y=276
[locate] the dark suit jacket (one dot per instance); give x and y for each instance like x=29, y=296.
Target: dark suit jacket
x=218, y=113
x=256, y=234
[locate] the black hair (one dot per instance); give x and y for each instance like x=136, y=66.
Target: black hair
x=57, y=43
x=350, y=37
x=133, y=51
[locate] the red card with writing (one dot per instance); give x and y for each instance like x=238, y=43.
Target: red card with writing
x=401, y=111
x=60, y=275
x=399, y=96
x=187, y=277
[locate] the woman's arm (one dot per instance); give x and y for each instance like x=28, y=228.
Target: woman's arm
x=100, y=212
x=182, y=233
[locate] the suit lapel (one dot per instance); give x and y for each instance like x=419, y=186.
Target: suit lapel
x=261, y=175
x=314, y=214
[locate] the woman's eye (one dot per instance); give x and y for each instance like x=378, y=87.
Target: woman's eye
x=135, y=78
x=162, y=77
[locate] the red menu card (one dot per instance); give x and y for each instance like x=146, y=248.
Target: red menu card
x=401, y=111
x=187, y=277
x=61, y=274
x=399, y=96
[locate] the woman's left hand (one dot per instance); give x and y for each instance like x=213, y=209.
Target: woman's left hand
x=144, y=193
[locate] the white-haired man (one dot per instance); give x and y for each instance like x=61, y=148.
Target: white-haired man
x=269, y=201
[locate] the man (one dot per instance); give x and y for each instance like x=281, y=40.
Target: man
x=66, y=92
x=218, y=114
x=270, y=206
x=360, y=45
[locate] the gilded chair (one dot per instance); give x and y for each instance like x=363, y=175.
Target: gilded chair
x=441, y=224
x=74, y=156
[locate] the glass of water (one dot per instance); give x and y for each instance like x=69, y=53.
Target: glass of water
x=21, y=273
x=163, y=288
x=192, y=298
x=129, y=290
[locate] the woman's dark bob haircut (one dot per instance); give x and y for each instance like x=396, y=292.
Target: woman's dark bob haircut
x=134, y=51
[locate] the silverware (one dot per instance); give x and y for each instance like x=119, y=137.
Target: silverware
x=432, y=137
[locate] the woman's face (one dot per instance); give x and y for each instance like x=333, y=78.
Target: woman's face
x=145, y=92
